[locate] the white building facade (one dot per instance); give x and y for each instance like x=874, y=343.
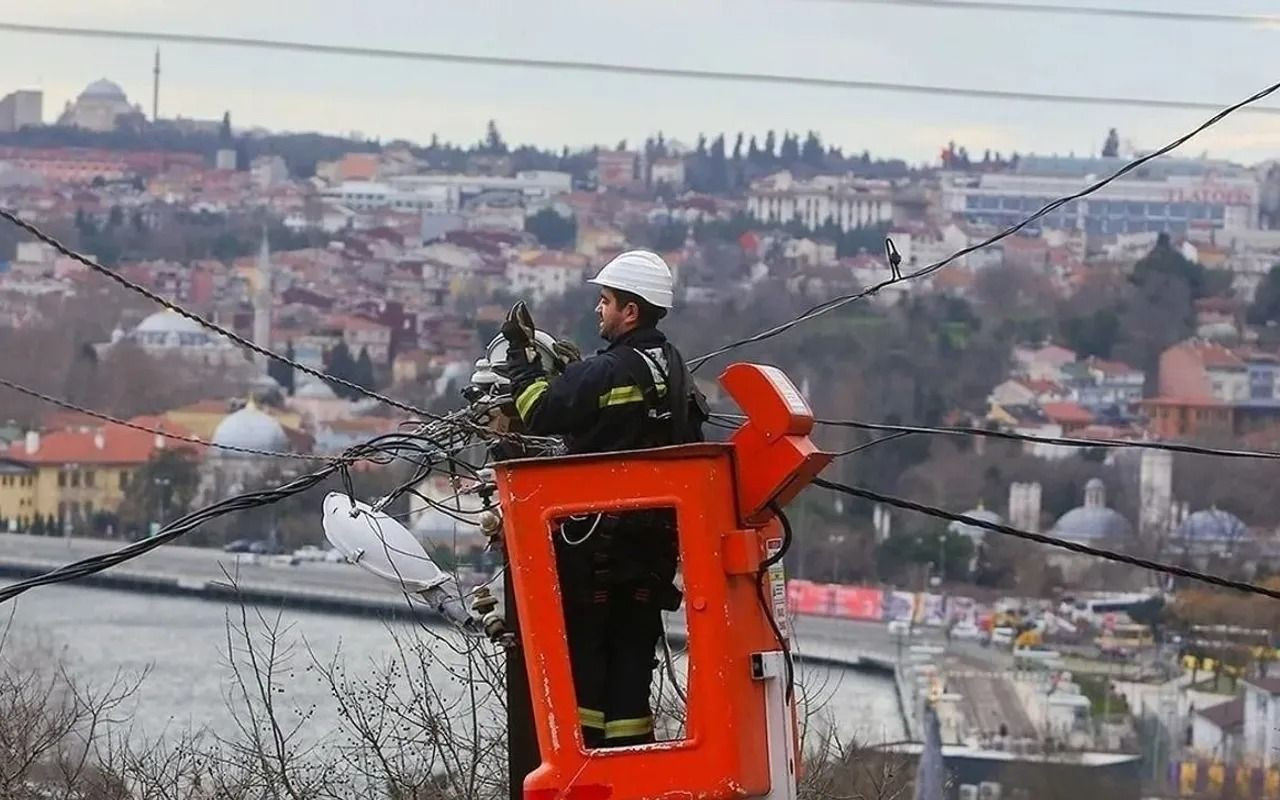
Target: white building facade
x=1174, y=204
x=847, y=201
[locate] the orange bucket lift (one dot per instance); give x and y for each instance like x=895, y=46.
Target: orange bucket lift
x=740, y=736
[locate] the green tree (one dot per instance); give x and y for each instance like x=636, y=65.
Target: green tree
x=718, y=166
x=1164, y=260
x=493, y=143
x=1094, y=334
x=790, y=152
x=1111, y=148
x=160, y=491
x=282, y=372
x=668, y=236
x=1266, y=303
x=811, y=152
x=364, y=369
x=551, y=229
x=340, y=364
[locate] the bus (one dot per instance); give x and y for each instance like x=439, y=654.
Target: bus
x=1125, y=638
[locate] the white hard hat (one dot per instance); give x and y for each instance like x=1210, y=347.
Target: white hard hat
x=642, y=273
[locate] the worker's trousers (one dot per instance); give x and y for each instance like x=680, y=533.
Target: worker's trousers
x=613, y=619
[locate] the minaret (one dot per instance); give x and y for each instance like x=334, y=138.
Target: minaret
x=155, y=91
x=262, y=301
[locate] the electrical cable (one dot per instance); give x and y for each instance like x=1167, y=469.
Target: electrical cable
x=178, y=527
x=17, y=387
x=837, y=302
x=765, y=565
x=1083, y=11
x=1064, y=441
x=722, y=76
x=1052, y=541
x=137, y=288
x=386, y=447
x=873, y=443
x=991, y=433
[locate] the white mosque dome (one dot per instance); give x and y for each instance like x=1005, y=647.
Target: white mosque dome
x=1212, y=525
x=168, y=322
x=974, y=532
x=103, y=89
x=252, y=428
x=315, y=389
x=1093, y=521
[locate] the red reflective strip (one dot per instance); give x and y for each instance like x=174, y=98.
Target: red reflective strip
x=589, y=792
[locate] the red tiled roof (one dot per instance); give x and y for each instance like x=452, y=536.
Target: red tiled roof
x=205, y=407
x=1211, y=354
x=1109, y=367
x=1067, y=412
x=1041, y=385
x=119, y=445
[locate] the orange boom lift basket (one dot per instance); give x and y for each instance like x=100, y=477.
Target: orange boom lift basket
x=740, y=735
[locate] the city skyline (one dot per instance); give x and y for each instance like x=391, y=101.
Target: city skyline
x=399, y=99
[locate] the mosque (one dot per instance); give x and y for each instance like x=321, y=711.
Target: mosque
x=102, y=107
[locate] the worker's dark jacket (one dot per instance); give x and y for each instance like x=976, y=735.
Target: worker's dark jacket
x=617, y=400
x=605, y=402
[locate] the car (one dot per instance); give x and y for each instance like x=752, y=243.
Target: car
x=334, y=556
x=309, y=552
x=1003, y=637
x=240, y=546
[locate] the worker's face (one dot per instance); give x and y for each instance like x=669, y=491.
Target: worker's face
x=615, y=320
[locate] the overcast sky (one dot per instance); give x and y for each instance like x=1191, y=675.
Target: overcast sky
x=1015, y=51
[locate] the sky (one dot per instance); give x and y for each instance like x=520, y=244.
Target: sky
x=1217, y=63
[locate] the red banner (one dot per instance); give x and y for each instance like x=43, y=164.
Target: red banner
x=858, y=602
x=806, y=597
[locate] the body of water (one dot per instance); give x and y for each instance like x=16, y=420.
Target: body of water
x=183, y=643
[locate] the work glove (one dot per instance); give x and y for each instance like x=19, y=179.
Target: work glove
x=566, y=352
x=518, y=330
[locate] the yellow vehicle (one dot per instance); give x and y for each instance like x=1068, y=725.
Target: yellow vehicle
x=1029, y=638
x=1125, y=638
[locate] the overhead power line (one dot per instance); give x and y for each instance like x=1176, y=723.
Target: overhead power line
x=1064, y=441
x=41, y=396
x=205, y=323
x=1079, y=11
x=731, y=76
x=838, y=302
x=1052, y=541
x=898, y=431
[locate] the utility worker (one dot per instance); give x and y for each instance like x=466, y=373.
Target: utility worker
x=616, y=570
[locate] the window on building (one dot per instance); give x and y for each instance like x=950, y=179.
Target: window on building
x=90, y=478
x=75, y=478
x=62, y=479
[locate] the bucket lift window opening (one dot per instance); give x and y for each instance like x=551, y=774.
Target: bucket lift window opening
x=623, y=614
